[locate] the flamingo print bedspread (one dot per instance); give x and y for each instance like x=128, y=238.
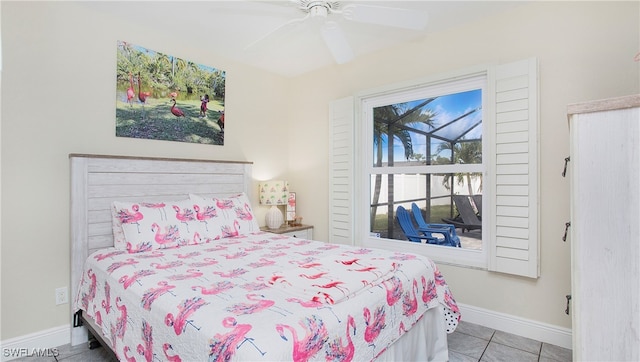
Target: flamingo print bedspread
x=259, y=296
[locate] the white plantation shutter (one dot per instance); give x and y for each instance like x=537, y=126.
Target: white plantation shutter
x=511, y=159
x=513, y=241
x=341, y=202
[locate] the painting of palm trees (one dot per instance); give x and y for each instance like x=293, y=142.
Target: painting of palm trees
x=162, y=97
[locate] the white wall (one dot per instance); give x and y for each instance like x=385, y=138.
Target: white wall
x=585, y=51
x=57, y=98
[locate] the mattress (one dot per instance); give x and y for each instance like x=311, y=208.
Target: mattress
x=263, y=296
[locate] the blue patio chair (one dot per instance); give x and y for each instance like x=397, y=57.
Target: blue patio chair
x=428, y=228
x=404, y=219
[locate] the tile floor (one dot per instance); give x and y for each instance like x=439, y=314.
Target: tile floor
x=79, y=353
x=470, y=342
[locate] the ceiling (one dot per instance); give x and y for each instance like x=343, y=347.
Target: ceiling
x=228, y=28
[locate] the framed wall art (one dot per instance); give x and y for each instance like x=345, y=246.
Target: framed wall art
x=291, y=207
x=162, y=97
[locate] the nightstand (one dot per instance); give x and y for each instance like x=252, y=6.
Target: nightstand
x=302, y=231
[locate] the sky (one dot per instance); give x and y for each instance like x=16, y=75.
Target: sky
x=152, y=53
x=447, y=108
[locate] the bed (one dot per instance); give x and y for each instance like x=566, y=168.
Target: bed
x=156, y=277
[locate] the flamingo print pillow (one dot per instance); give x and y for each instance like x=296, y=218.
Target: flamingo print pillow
x=157, y=225
x=234, y=215
x=119, y=240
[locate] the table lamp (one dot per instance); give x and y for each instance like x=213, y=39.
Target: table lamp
x=274, y=193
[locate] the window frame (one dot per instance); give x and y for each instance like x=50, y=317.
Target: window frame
x=511, y=185
x=434, y=86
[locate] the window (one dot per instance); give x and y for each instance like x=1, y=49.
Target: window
x=368, y=182
x=425, y=151
x=425, y=145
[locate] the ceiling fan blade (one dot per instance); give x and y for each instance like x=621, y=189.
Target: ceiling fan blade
x=382, y=15
x=288, y=23
x=336, y=42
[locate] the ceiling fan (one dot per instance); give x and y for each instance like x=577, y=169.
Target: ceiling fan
x=332, y=33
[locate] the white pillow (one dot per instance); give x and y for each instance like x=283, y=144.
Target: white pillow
x=209, y=217
x=159, y=225
x=119, y=240
x=235, y=215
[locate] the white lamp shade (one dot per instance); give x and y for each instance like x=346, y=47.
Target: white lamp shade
x=274, y=193
x=274, y=218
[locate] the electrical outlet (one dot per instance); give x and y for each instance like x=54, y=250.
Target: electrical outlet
x=62, y=296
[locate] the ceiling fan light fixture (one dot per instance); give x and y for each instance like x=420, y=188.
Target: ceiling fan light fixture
x=322, y=11
x=318, y=10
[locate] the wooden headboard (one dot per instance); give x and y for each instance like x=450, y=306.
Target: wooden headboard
x=98, y=180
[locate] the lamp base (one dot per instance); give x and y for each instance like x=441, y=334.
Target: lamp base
x=274, y=218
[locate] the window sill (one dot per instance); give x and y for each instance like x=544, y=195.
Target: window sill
x=475, y=259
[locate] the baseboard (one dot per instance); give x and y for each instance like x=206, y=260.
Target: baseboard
x=542, y=332
x=35, y=343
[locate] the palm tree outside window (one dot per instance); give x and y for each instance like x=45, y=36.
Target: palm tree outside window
x=421, y=151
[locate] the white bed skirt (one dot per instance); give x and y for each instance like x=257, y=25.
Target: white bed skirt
x=425, y=341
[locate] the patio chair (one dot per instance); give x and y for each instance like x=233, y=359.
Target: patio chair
x=424, y=227
x=404, y=219
x=467, y=218
x=477, y=199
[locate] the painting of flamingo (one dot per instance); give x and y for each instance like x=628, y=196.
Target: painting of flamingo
x=215, y=288
x=126, y=351
x=121, y=322
x=132, y=249
x=223, y=345
x=259, y=303
x=227, y=232
x=142, y=96
x=307, y=346
x=224, y=204
x=184, y=215
x=180, y=321
x=154, y=293
x=373, y=326
x=190, y=274
x=158, y=206
x=314, y=304
x=429, y=291
x=173, y=357
x=119, y=264
x=88, y=297
x=410, y=301
x=127, y=280
x=131, y=217
x=393, y=287
x=130, y=92
x=339, y=352
x=146, y=348
x=170, y=235
x=106, y=302
x=204, y=214
x=154, y=89
x=175, y=110
x=244, y=213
